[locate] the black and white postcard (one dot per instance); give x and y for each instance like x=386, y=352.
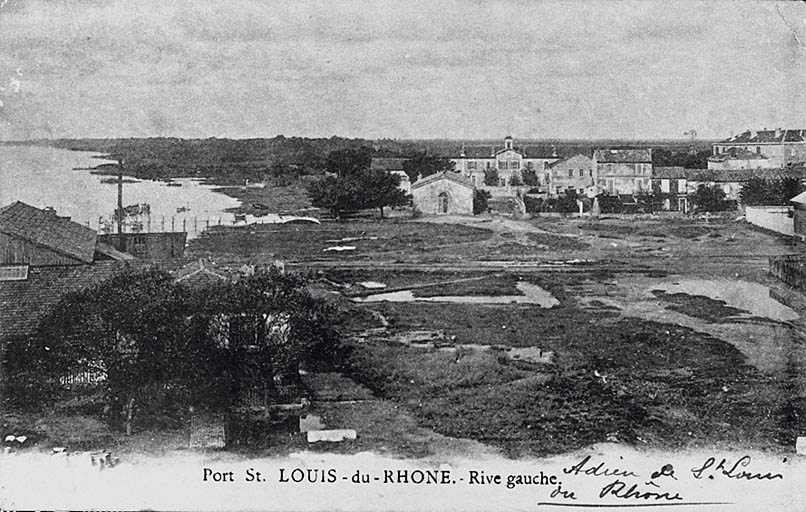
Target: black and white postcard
x=424, y=255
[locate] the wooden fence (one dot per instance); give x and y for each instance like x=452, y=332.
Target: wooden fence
x=791, y=269
x=83, y=378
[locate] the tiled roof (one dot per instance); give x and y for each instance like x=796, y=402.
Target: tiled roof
x=618, y=156
x=575, y=160
x=736, y=154
x=200, y=273
x=766, y=137
x=482, y=152
x=447, y=175
x=674, y=173
x=25, y=302
x=388, y=164
x=46, y=229
x=742, y=175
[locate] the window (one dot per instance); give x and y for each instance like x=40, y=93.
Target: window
x=581, y=173
x=488, y=165
x=515, y=165
x=570, y=173
x=502, y=164
x=502, y=182
x=758, y=150
x=610, y=168
x=471, y=164
x=681, y=186
x=664, y=186
x=591, y=173
x=529, y=165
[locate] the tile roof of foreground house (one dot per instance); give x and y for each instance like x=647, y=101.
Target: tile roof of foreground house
x=766, y=137
x=448, y=175
x=45, y=228
x=620, y=156
x=24, y=302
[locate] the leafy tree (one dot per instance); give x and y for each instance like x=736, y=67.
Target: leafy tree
x=423, y=164
x=124, y=325
x=481, y=199
x=567, y=202
x=346, y=162
x=710, y=199
x=491, y=177
x=372, y=188
x=143, y=329
x=380, y=189
x=530, y=177
x=769, y=192
x=335, y=194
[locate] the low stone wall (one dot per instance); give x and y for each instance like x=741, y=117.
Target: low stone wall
x=774, y=218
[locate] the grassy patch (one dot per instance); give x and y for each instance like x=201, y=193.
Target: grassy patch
x=558, y=243
x=626, y=379
x=295, y=242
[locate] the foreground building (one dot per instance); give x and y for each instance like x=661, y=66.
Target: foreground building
x=445, y=192
x=772, y=149
x=36, y=237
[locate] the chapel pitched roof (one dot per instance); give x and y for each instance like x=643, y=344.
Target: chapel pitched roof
x=444, y=175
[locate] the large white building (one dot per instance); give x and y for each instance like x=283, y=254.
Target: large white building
x=509, y=161
x=762, y=149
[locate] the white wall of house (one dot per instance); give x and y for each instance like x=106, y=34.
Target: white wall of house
x=433, y=198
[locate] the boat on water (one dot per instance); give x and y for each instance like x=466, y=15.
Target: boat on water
x=259, y=206
x=182, y=209
x=174, y=184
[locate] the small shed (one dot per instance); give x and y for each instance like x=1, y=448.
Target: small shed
x=442, y=193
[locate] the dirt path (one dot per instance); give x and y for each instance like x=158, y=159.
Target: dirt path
x=383, y=426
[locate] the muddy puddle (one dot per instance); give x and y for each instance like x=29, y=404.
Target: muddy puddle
x=531, y=294
x=745, y=295
x=760, y=326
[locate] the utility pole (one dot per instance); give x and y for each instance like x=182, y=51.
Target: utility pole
x=119, y=211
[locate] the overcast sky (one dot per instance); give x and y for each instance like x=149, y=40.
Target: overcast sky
x=414, y=69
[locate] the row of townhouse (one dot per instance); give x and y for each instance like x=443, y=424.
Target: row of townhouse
x=767, y=154
x=615, y=171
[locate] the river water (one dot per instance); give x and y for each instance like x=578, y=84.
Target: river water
x=42, y=176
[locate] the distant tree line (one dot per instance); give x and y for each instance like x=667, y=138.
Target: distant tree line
x=281, y=158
